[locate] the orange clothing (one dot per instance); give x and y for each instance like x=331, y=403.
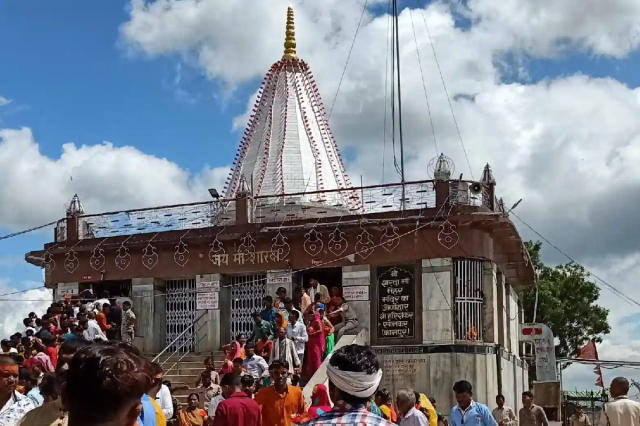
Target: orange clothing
x=101, y=319
x=277, y=410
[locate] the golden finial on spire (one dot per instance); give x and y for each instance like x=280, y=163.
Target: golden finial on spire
x=290, y=39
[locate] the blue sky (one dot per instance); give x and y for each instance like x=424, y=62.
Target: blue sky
x=71, y=82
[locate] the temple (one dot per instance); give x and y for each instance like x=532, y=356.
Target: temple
x=432, y=268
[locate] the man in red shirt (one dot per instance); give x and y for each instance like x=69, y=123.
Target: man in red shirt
x=237, y=409
x=52, y=350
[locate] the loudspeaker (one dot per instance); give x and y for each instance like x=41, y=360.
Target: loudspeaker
x=475, y=188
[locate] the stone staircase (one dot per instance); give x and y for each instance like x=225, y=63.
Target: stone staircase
x=187, y=371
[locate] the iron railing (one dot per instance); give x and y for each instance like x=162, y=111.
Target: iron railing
x=183, y=344
x=280, y=208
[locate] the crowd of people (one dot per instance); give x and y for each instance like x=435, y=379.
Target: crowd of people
x=77, y=366
x=300, y=330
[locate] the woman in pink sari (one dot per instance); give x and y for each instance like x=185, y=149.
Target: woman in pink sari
x=232, y=351
x=236, y=348
x=315, y=345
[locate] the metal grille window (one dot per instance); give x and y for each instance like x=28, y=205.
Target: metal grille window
x=247, y=292
x=468, y=300
x=181, y=313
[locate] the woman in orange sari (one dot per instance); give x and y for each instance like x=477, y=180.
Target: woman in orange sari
x=192, y=415
x=281, y=320
x=264, y=347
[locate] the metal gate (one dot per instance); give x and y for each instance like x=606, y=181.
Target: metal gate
x=181, y=313
x=468, y=299
x=247, y=292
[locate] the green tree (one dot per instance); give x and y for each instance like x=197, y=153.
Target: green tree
x=567, y=303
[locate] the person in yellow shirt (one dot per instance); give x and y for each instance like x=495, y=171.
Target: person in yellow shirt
x=425, y=405
x=161, y=420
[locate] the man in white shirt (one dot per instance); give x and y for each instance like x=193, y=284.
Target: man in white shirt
x=254, y=364
x=91, y=328
x=409, y=415
x=13, y=405
x=505, y=416
x=29, y=325
x=622, y=411
x=100, y=302
x=297, y=332
x=316, y=287
x=7, y=348
x=213, y=405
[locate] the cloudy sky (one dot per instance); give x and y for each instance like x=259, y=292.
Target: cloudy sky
x=142, y=103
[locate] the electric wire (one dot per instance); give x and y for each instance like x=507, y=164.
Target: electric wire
x=424, y=85
x=608, y=286
x=444, y=85
x=355, y=36
x=386, y=88
x=15, y=234
x=393, y=91
x=395, y=17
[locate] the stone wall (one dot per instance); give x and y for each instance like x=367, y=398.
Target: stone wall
x=208, y=328
x=437, y=297
x=150, y=323
x=359, y=275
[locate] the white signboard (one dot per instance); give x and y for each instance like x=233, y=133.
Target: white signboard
x=207, y=301
x=356, y=292
x=279, y=277
x=544, y=343
x=208, y=286
x=66, y=288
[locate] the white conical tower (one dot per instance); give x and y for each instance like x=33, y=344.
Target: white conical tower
x=288, y=147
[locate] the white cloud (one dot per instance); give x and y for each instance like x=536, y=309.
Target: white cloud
x=16, y=307
x=105, y=177
x=549, y=27
x=567, y=146
x=4, y=101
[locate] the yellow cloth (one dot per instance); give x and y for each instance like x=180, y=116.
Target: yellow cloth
x=161, y=420
x=386, y=412
x=426, y=404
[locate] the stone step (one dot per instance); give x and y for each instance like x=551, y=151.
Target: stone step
x=217, y=357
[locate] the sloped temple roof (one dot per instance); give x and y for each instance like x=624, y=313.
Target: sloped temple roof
x=288, y=147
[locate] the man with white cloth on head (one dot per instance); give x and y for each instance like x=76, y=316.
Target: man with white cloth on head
x=354, y=376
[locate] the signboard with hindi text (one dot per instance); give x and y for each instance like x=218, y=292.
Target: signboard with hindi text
x=396, y=302
x=207, y=301
x=356, y=293
x=279, y=277
x=207, y=286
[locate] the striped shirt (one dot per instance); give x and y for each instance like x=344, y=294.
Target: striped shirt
x=345, y=414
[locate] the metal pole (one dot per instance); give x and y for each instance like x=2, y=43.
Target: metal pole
x=395, y=17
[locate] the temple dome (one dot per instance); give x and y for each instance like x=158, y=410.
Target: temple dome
x=287, y=147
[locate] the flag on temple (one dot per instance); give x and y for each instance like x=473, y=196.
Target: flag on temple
x=590, y=351
x=598, y=371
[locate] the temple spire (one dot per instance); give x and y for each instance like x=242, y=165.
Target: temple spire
x=290, y=38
